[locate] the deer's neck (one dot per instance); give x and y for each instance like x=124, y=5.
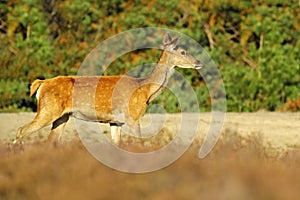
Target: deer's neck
x=159, y=77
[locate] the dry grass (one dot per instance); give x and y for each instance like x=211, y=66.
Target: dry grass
x=238, y=168
x=291, y=105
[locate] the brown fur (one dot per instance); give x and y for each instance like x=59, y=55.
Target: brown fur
x=116, y=100
x=34, y=86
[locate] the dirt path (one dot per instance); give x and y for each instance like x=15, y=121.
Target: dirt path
x=281, y=130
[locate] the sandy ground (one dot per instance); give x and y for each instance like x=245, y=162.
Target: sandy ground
x=280, y=130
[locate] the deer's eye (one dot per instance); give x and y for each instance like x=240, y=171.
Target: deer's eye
x=183, y=53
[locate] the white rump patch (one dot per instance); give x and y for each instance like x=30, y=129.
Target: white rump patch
x=38, y=93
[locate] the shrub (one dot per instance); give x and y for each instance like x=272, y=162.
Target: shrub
x=255, y=44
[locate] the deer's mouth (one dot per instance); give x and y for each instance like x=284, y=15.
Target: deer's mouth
x=199, y=66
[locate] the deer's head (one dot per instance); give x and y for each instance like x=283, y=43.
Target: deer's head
x=177, y=56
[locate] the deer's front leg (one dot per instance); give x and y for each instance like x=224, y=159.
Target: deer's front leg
x=132, y=128
x=115, y=130
x=136, y=130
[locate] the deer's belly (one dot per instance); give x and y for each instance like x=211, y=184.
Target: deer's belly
x=115, y=116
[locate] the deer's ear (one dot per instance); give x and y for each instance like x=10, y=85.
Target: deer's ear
x=175, y=42
x=167, y=39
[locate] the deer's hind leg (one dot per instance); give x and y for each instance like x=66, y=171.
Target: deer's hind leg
x=42, y=119
x=58, y=128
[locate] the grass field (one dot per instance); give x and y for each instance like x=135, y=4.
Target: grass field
x=241, y=166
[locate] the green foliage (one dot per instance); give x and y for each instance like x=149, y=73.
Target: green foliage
x=261, y=59
x=255, y=44
x=13, y=96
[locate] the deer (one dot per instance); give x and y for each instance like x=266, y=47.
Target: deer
x=117, y=100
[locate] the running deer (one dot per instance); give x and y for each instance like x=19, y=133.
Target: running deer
x=117, y=100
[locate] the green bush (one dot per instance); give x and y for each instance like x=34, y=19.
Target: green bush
x=254, y=43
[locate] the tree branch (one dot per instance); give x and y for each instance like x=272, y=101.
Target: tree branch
x=209, y=36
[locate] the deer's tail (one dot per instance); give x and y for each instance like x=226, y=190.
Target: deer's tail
x=34, y=86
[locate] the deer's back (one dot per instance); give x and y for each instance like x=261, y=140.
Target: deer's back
x=102, y=95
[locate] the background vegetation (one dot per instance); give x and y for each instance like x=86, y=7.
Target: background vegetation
x=254, y=42
x=238, y=168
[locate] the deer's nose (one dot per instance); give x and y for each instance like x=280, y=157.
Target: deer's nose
x=198, y=65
